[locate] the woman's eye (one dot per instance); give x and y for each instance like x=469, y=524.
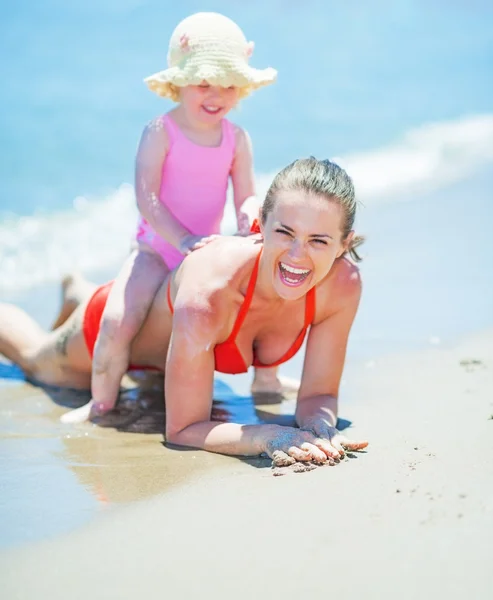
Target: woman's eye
x=320, y=241
x=283, y=231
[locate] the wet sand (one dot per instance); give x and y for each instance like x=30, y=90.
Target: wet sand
x=412, y=517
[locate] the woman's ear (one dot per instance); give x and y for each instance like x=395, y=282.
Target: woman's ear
x=346, y=244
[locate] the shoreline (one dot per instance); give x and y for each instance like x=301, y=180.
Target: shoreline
x=411, y=515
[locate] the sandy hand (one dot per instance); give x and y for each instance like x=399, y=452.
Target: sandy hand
x=288, y=445
x=335, y=443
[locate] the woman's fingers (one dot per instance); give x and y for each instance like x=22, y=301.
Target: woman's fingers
x=299, y=454
x=317, y=455
x=281, y=459
x=327, y=448
x=350, y=445
x=291, y=445
x=338, y=442
x=335, y=442
x=307, y=452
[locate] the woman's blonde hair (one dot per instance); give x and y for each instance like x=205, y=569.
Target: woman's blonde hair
x=324, y=178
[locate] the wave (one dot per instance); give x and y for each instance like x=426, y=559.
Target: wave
x=95, y=233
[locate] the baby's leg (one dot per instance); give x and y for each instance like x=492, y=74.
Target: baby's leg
x=128, y=304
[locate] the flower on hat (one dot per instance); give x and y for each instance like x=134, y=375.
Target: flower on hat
x=184, y=41
x=249, y=49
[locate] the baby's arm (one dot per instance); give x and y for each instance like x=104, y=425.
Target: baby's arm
x=149, y=162
x=242, y=176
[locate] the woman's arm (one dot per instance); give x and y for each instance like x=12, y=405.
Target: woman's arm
x=149, y=162
x=189, y=390
x=323, y=366
x=243, y=179
x=189, y=386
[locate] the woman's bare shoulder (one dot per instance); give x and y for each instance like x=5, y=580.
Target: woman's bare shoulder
x=340, y=289
x=216, y=271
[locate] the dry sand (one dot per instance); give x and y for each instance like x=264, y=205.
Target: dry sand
x=411, y=518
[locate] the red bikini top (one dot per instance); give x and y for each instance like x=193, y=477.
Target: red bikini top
x=228, y=359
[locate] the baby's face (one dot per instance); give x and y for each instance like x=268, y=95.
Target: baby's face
x=207, y=102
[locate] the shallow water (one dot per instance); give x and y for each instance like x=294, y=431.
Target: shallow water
x=56, y=477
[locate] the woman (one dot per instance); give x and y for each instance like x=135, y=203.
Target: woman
x=234, y=303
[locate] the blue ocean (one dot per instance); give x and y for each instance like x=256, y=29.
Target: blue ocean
x=399, y=92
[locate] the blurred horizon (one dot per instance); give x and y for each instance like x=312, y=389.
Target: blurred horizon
x=400, y=93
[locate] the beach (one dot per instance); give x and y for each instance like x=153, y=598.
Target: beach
x=400, y=96
x=411, y=516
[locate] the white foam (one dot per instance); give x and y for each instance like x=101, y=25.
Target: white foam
x=95, y=234
x=426, y=158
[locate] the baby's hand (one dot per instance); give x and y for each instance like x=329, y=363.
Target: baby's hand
x=246, y=215
x=193, y=242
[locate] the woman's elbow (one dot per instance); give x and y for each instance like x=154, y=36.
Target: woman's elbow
x=174, y=436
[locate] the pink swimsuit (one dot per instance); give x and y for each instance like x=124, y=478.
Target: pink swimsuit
x=193, y=187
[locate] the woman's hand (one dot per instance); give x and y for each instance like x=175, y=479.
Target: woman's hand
x=336, y=442
x=287, y=445
x=316, y=442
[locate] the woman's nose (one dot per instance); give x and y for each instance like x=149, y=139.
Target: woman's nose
x=297, y=251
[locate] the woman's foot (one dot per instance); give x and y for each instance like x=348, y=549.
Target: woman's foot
x=268, y=381
x=75, y=289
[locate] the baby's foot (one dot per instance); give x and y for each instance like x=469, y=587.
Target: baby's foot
x=78, y=415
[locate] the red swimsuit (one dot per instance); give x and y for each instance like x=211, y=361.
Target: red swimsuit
x=228, y=358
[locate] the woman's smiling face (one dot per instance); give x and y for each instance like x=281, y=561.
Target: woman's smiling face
x=302, y=239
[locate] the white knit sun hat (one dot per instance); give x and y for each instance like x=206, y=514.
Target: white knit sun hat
x=210, y=47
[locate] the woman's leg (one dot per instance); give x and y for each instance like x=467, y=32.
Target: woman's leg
x=46, y=357
x=57, y=357
x=20, y=337
x=75, y=290
x=128, y=304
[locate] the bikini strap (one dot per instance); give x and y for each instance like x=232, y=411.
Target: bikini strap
x=247, y=301
x=309, y=307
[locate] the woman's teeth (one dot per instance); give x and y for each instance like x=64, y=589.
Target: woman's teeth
x=293, y=275
x=212, y=109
